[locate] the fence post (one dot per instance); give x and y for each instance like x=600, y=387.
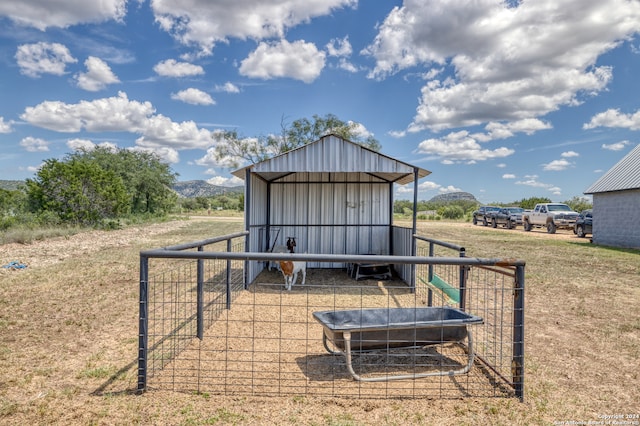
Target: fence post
x=143, y=333
x=430, y=275
x=463, y=282
x=229, y=276
x=517, y=364
x=200, y=297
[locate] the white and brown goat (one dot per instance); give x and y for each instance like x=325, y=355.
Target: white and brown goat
x=290, y=270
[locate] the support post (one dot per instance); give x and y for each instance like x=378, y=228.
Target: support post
x=143, y=333
x=517, y=364
x=463, y=281
x=200, y=297
x=248, y=190
x=229, y=276
x=430, y=275
x=414, y=246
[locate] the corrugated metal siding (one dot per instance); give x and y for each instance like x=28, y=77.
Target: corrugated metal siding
x=402, y=244
x=332, y=218
x=332, y=154
x=623, y=176
x=257, y=215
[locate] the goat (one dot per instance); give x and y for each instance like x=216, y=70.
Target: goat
x=290, y=271
x=277, y=249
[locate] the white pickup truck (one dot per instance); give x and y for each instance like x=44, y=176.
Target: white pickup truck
x=551, y=216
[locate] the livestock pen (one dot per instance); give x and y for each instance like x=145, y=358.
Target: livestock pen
x=205, y=328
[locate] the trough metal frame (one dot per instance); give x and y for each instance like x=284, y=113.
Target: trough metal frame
x=348, y=350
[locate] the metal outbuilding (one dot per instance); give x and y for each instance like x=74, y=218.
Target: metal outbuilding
x=332, y=195
x=616, y=203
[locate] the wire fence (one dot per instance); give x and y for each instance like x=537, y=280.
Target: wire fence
x=203, y=330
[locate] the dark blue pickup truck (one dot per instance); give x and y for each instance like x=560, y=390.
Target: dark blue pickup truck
x=483, y=214
x=509, y=217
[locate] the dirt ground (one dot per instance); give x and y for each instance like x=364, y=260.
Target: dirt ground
x=69, y=335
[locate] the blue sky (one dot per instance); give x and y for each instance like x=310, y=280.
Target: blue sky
x=502, y=99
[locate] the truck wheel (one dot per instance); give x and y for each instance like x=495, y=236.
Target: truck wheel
x=526, y=225
x=551, y=228
x=475, y=220
x=510, y=224
x=494, y=223
x=580, y=231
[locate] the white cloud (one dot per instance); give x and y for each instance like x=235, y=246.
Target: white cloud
x=173, y=68
x=503, y=63
x=43, y=58
x=119, y=114
x=460, y=147
x=569, y=154
x=397, y=133
x=339, y=47
x=228, y=87
x=166, y=154
x=209, y=159
x=205, y=23
x=343, y=64
x=87, y=145
x=359, y=130
x=298, y=60
x=81, y=144
x=557, y=165
x=98, y=75
x=194, y=97
x=5, y=127
x=161, y=132
x=616, y=146
x=115, y=114
x=508, y=176
x=614, y=118
x=225, y=181
x=428, y=186
x=62, y=14
x=532, y=180
x=447, y=189
x=31, y=144
x=496, y=130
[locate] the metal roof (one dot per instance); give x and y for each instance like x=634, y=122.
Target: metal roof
x=332, y=154
x=624, y=175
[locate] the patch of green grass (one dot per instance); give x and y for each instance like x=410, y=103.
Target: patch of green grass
x=96, y=373
x=344, y=419
x=7, y=407
x=225, y=416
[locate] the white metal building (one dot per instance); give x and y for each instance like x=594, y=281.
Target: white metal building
x=332, y=195
x=616, y=203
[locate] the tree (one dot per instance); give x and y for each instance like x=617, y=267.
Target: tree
x=89, y=186
x=79, y=192
x=148, y=181
x=451, y=212
x=530, y=203
x=579, y=204
x=232, y=150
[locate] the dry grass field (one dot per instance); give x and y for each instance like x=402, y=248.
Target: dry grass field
x=68, y=337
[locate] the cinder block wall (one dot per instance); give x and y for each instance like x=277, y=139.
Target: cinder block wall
x=616, y=218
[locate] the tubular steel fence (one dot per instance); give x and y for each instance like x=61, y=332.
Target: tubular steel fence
x=202, y=329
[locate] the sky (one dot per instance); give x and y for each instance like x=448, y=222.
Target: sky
x=503, y=99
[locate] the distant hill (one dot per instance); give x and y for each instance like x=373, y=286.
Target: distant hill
x=200, y=188
x=187, y=189
x=453, y=196
x=10, y=185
